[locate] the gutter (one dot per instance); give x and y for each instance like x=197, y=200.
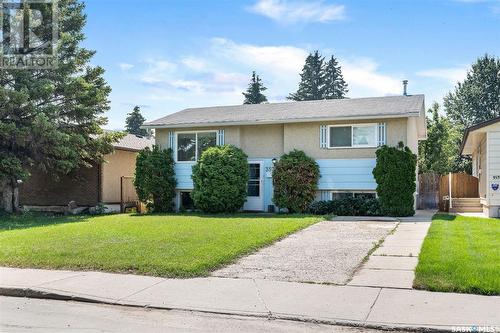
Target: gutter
x=285, y=121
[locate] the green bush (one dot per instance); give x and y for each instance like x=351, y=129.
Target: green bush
x=395, y=174
x=154, y=179
x=220, y=180
x=295, y=181
x=346, y=207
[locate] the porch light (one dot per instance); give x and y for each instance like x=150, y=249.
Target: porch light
x=274, y=160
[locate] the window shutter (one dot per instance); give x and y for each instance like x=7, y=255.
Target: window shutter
x=323, y=129
x=220, y=137
x=382, y=134
x=171, y=140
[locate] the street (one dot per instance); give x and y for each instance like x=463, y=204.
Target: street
x=36, y=315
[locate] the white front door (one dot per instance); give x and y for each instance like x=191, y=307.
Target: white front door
x=254, y=187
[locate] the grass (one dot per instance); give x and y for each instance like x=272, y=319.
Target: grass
x=460, y=254
x=161, y=245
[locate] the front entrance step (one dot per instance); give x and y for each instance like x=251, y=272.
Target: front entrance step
x=466, y=205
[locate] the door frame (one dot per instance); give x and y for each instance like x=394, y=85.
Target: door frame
x=261, y=187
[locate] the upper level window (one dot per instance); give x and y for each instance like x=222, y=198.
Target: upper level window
x=191, y=145
x=355, y=136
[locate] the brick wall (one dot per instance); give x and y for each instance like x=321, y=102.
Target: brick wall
x=82, y=186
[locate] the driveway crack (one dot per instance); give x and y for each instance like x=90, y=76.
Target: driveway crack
x=269, y=313
x=373, y=304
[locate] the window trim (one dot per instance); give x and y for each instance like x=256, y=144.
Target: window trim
x=352, y=146
x=196, y=144
x=353, y=192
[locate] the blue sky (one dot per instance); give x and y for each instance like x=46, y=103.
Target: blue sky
x=169, y=55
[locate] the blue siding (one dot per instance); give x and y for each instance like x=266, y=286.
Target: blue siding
x=347, y=174
x=183, y=174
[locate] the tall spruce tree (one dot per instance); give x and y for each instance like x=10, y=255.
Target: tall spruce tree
x=335, y=87
x=254, y=94
x=51, y=119
x=134, y=122
x=312, y=79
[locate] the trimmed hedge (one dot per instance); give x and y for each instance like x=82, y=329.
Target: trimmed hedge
x=154, y=179
x=220, y=180
x=395, y=174
x=295, y=181
x=347, y=207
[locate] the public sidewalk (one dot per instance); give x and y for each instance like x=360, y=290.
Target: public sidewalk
x=352, y=305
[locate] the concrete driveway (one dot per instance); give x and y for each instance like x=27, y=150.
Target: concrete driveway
x=327, y=252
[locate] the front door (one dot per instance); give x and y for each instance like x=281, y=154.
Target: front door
x=254, y=188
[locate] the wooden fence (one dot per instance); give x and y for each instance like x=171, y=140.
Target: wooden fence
x=428, y=197
x=433, y=189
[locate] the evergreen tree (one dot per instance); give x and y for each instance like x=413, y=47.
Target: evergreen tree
x=312, y=79
x=335, y=86
x=254, y=94
x=134, y=122
x=477, y=98
x=51, y=119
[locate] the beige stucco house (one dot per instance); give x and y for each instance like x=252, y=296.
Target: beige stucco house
x=482, y=143
x=342, y=135
x=109, y=182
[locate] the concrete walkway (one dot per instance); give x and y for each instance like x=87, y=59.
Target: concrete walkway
x=353, y=305
x=392, y=265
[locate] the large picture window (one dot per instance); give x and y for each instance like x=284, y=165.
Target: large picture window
x=353, y=136
x=191, y=145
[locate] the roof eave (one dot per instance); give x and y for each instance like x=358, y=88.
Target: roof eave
x=286, y=121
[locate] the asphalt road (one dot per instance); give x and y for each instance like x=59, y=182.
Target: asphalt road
x=36, y=315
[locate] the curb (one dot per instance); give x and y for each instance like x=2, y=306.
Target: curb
x=38, y=294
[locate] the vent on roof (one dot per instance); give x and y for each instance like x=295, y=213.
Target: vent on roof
x=405, y=87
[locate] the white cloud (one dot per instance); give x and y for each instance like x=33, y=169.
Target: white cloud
x=194, y=63
x=285, y=11
x=452, y=75
x=364, y=79
x=125, y=66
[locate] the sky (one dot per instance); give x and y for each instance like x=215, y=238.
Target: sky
x=169, y=55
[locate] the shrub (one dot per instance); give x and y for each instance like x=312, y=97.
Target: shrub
x=346, y=207
x=295, y=181
x=154, y=179
x=395, y=174
x=220, y=180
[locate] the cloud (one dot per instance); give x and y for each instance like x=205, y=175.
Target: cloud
x=194, y=63
x=451, y=75
x=285, y=11
x=125, y=66
x=364, y=78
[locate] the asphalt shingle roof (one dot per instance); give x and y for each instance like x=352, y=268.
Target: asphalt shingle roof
x=370, y=107
x=134, y=142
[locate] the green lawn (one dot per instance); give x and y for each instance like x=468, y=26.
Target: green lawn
x=161, y=245
x=460, y=254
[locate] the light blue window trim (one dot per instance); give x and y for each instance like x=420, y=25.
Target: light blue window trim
x=323, y=137
x=171, y=138
x=220, y=137
x=382, y=134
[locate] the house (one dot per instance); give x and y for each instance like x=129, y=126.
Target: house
x=341, y=135
x=482, y=143
x=109, y=182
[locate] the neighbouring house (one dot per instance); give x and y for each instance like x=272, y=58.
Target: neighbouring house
x=482, y=143
x=109, y=183
x=341, y=135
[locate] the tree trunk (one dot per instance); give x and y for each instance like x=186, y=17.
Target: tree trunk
x=10, y=196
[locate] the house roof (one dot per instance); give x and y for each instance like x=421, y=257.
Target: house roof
x=468, y=131
x=289, y=112
x=134, y=142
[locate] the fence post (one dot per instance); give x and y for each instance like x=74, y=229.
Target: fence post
x=449, y=188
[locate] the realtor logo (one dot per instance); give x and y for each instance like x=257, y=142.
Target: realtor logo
x=494, y=186
x=29, y=34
